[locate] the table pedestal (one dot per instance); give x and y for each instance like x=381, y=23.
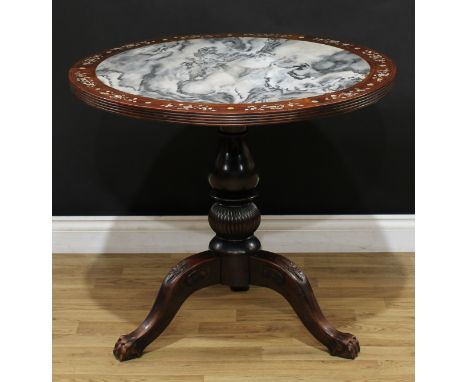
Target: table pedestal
x=235, y=258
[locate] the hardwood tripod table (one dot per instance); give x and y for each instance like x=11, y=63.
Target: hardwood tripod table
x=234, y=81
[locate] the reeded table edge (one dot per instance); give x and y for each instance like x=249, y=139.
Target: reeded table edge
x=87, y=87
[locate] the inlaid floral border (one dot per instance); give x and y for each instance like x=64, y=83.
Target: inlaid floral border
x=382, y=72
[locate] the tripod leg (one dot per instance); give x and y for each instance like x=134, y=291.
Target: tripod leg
x=282, y=275
x=191, y=274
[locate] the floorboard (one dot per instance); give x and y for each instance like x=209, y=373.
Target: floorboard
x=220, y=336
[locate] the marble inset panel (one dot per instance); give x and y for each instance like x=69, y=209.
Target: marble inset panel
x=232, y=70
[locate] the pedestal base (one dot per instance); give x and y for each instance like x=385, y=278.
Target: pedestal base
x=265, y=269
x=235, y=258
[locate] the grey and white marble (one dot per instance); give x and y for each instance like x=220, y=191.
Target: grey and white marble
x=232, y=70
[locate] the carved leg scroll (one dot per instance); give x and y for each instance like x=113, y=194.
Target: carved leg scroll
x=191, y=274
x=282, y=275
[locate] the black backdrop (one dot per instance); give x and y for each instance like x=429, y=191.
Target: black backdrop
x=357, y=163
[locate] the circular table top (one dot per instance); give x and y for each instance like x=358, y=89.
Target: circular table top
x=233, y=79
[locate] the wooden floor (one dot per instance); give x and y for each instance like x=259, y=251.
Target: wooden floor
x=220, y=336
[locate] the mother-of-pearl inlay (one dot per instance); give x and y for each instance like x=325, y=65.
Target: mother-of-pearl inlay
x=232, y=70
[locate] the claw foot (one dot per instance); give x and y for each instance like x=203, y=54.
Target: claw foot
x=345, y=345
x=126, y=348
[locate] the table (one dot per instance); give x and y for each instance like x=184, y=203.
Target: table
x=233, y=81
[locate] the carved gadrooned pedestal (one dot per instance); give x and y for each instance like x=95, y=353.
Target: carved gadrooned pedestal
x=233, y=81
x=234, y=216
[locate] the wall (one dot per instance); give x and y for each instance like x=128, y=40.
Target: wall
x=357, y=163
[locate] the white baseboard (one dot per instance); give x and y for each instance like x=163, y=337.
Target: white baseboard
x=189, y=234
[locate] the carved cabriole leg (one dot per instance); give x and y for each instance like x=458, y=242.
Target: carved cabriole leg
x=191, y=274
x=282, y=275
x=234, y=217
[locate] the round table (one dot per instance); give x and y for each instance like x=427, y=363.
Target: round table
x=233, y=81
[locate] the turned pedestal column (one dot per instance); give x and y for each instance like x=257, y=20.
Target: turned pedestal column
x=234, y=216
x=235, y=258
